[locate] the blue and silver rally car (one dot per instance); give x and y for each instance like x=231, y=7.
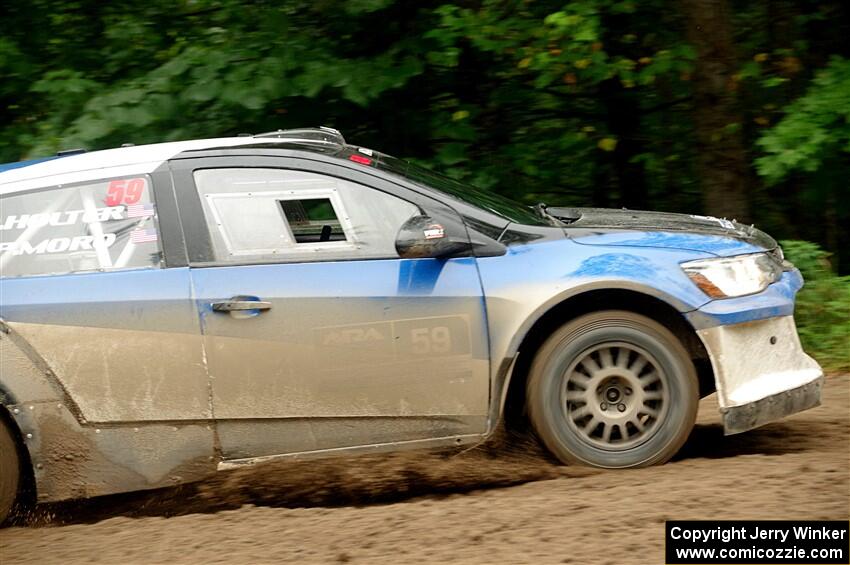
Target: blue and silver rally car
x=172, y=310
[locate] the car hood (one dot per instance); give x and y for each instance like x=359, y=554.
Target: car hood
x=603, y=226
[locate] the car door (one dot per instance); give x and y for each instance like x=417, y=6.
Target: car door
x=317, y=335
x=85, y=285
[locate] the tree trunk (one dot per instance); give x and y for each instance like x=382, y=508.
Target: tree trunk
x=722, y=159
x=623, y=116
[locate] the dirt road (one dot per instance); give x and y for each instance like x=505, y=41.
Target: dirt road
x=478, y=507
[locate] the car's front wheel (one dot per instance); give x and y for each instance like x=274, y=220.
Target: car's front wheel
x=613, y=389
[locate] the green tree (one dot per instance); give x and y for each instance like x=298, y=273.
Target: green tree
x=589, y=102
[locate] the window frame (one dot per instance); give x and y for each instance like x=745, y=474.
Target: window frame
x=199, y=246
x=292, y=246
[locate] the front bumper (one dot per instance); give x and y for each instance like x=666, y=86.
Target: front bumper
x=761, y=372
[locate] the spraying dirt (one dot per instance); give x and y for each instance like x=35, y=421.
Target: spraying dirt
x=503, y=502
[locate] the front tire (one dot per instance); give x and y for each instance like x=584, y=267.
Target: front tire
x=613, y=389
x=10, y=472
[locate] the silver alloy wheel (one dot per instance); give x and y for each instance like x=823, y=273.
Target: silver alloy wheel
x=614, y=396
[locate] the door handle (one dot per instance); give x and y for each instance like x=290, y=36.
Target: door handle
x=240, y=305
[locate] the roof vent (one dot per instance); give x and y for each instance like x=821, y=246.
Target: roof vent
x=321, y=135
x=68, y=152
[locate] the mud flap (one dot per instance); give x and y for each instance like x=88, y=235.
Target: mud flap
x=738, y=419
x=761, y=372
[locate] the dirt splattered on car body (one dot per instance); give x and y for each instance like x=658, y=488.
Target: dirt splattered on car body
x=476, y=507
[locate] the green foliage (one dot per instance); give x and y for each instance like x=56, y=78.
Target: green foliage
x=823, y=305
x=588, y=102
x=816, y=126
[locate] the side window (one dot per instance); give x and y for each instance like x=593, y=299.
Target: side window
x=100, y=226
x=281, y=215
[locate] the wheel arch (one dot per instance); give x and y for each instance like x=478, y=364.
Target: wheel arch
x=512, y=401
x=25, y=380
x=66, y=457
x=27, y=485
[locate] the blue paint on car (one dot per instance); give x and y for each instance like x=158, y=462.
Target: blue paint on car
x=560, y=267
x=418, y=276
x=157, y=299
x=776, y=300
x=20, y=164
x=531, y=278
x=714, y=244
x=635, y=260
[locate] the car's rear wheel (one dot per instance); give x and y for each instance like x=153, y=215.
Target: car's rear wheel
x=613, y=389
x=10, y=471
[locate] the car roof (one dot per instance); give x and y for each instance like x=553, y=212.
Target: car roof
x=71, y=167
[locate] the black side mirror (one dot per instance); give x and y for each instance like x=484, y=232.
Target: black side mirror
x=422, y=236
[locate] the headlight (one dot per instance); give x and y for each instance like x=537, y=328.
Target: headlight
x=733, y=276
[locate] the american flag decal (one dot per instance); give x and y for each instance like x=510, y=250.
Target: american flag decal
x=140, y=210
x=143, y=236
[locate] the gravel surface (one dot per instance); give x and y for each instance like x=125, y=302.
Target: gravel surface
x=504, y=503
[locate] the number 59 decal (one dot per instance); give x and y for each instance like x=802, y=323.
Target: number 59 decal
x=441, y=336
x=431, y=340
x=125, y=191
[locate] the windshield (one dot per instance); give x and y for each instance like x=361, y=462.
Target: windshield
x=490, y=201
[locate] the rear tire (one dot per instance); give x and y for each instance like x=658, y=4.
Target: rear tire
x=613, y=389
x=10, y=472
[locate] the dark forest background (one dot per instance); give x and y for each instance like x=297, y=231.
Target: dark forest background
x=738, y=109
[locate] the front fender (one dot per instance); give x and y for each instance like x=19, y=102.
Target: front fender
x=526, y=283
x=529, y=280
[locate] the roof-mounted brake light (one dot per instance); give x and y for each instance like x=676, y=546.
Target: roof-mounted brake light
x=360, y=159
